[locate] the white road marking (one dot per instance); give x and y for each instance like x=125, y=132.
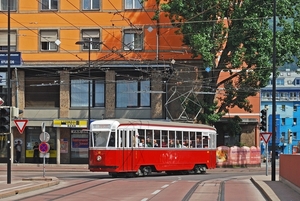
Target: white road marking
x=165, y=186
x=155, y=192
x=144, y=199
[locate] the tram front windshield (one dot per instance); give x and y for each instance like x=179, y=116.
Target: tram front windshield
x=100, y=138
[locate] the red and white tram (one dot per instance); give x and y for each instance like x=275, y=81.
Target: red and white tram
x=139, y=147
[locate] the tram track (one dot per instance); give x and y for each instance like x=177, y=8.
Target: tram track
x=71, y=189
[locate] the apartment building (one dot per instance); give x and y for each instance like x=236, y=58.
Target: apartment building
x=287, y=110
x=62, y=50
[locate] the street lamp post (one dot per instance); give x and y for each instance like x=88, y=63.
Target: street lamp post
x=89, y=42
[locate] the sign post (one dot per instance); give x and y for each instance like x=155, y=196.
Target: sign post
x=44, y=147
x=266, y=137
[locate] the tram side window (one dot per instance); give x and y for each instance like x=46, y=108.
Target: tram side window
x=141, y=138
x=156, y=141
x=186, y=140
x=172, y=139
x=100, y=139
x=199, y=143
x=120, y=138
x=149, y=138
x=135, y=139
x=212, y=140
x=164, y=139
x=205, y=141
x=178, y=139
x=112, y=141
x=192, y=138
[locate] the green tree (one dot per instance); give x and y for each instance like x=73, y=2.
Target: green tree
x=236, y=36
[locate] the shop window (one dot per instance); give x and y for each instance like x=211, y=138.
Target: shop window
x=33, y=136
x=79, y=144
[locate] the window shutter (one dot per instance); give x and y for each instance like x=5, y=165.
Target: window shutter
x=48, y=36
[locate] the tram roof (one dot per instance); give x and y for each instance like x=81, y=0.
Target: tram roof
x=139, y=122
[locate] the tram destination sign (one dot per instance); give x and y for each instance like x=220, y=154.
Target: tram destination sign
x=15, y=58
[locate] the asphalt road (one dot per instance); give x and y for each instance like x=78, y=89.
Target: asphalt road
x=99, y=186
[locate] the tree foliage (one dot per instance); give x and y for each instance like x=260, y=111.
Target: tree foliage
x=237, y=36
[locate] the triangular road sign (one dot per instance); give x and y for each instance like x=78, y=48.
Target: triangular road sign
x=21, y=124
x=266, y=136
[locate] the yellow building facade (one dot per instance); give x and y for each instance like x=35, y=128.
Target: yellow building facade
x=125, y=63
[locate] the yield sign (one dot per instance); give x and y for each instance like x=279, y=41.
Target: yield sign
x=266, y=136
x=21, y=124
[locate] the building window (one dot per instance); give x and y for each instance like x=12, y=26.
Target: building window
x=133, y=39
x=79, y=93
x=91, y=4
x=133, y=94
x=294, y=121
x=283, y=121
x=48, y=39
x=297, y=82
x=3, y=41
x=283, y=107
x=293, y=95
x=295, y=108
x=279, y=81
x=133, y=4
x=49, y=4
x=94, y=37
x=294, y=135
x=99, y=93
x=41, y=92
x=3, y=5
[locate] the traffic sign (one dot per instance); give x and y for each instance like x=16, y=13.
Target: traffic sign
x=21, y=124
x=44, y=147
x=266, y=136
x=44, y=137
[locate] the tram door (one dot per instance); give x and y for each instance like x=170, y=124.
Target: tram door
x=127, y=145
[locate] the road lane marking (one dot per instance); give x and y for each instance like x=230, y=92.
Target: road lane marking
x=155, y=192
x=165, y=186
x=144, y=199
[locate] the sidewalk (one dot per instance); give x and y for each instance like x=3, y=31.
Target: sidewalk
x=272, y=190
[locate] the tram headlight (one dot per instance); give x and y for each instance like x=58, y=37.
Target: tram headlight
x=99, y=158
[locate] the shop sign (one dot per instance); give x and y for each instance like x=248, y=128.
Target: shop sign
x=70, y=123
x=15, y=58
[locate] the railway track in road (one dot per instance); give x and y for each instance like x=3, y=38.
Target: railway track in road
x=83, y=186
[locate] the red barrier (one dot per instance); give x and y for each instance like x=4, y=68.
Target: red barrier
x=238, y=156
x=288, y=168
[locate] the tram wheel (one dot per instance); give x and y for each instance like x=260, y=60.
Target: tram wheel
x=146, y=170
x=203, y=169
x=139, y=173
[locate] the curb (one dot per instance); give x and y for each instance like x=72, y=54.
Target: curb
x=49, y=182
x=265, y=190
